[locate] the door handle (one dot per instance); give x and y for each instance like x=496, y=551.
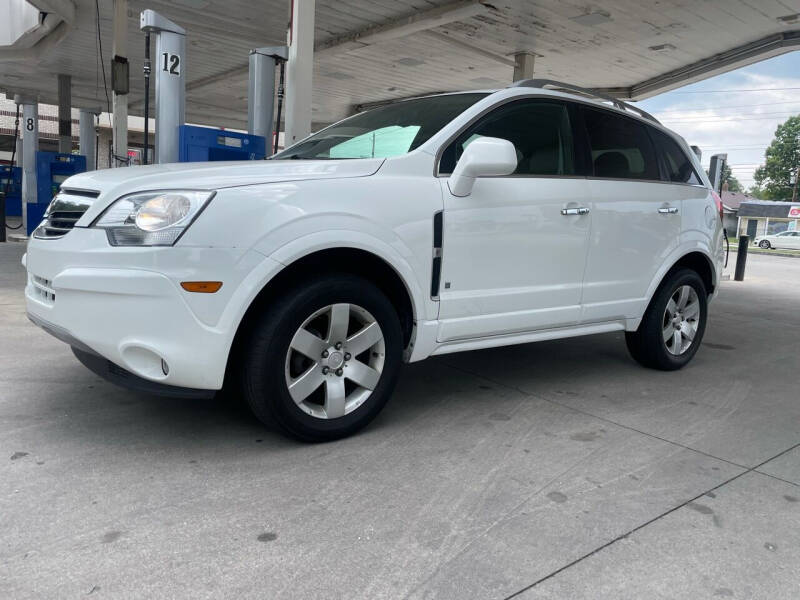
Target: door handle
x=575, y=211
x=668, y=210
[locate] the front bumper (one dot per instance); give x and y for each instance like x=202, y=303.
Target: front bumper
x=126, y=304
x=116, y=374
x=113, y=372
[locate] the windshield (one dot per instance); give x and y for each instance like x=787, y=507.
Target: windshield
x=384, y=132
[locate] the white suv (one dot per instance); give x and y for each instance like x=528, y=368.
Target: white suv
x=434, y=225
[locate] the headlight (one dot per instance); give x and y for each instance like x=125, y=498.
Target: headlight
x=151, y=218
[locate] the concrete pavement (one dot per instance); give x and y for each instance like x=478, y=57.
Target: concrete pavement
x=559, y=469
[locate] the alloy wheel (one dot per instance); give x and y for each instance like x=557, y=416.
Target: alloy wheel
x=681, y=320
x=335, y=360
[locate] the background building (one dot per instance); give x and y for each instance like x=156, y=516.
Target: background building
x=760, y=217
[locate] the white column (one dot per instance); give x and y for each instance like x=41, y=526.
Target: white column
x=64, y=114
x=30, y=144
x=299, y=72
x=88, y=136
x=523, y=65
x=120, y=101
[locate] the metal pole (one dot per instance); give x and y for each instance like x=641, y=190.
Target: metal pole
x=87, y=136
x=120, y=101
x=523, y=65
x=170, y=83
x=261, y=91
x=299, y=72
x=280, y=107
x=741, y=257
x=794, y=191
x=146, y=96
x=64, y=114
x=30, y=144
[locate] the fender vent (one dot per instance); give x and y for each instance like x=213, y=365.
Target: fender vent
x=436, y=267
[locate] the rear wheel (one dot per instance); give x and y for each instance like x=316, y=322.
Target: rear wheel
x=323, y=360
x=673, y=325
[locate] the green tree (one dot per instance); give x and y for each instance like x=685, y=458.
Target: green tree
x=727, y=175
x=775, y=177
x=755, y=192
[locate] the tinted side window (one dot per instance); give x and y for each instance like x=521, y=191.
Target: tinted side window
x=539, y=129
x=621, y=148
x=679, y=167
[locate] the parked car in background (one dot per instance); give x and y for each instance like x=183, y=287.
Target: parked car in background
x=435, y=225
x=789, y=240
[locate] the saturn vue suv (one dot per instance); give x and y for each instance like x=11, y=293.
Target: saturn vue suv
x=428, y=226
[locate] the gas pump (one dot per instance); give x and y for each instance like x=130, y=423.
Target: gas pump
x=206, y=144
x=11, y=184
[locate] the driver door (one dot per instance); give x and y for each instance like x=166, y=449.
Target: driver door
x=515, y=248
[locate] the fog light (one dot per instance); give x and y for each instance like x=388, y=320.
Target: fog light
x=164, y=367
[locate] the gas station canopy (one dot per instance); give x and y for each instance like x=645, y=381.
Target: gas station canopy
x=371, y=51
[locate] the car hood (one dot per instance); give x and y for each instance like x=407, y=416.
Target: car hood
x=113, y=183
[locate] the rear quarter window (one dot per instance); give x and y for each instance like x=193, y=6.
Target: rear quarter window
x=678, y=166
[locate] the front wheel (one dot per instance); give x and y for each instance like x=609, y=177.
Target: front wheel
x=323, y=360
x=764, y=244
x=673, y=325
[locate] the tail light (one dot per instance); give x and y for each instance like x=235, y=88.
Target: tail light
x=718, y=202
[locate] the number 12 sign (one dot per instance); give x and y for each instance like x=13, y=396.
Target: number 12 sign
x=171, y=63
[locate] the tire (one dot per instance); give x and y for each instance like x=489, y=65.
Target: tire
x=649, y=345
x=339, y=405
x=764, y=244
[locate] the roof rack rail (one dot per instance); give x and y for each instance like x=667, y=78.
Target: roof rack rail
x=590, y=93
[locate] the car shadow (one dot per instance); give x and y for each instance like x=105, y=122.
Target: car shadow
x=469, y=382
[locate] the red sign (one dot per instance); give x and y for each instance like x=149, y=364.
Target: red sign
x=794, y=212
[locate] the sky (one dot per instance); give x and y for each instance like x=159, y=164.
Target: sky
x=722, y=114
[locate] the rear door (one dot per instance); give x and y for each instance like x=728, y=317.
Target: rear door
x=515, y=248
x=636, y=214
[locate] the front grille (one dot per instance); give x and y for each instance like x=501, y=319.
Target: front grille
x=58, y=224
x=64, y=211
x=43, y=289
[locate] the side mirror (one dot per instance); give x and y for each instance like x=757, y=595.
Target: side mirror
x=484, y=157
